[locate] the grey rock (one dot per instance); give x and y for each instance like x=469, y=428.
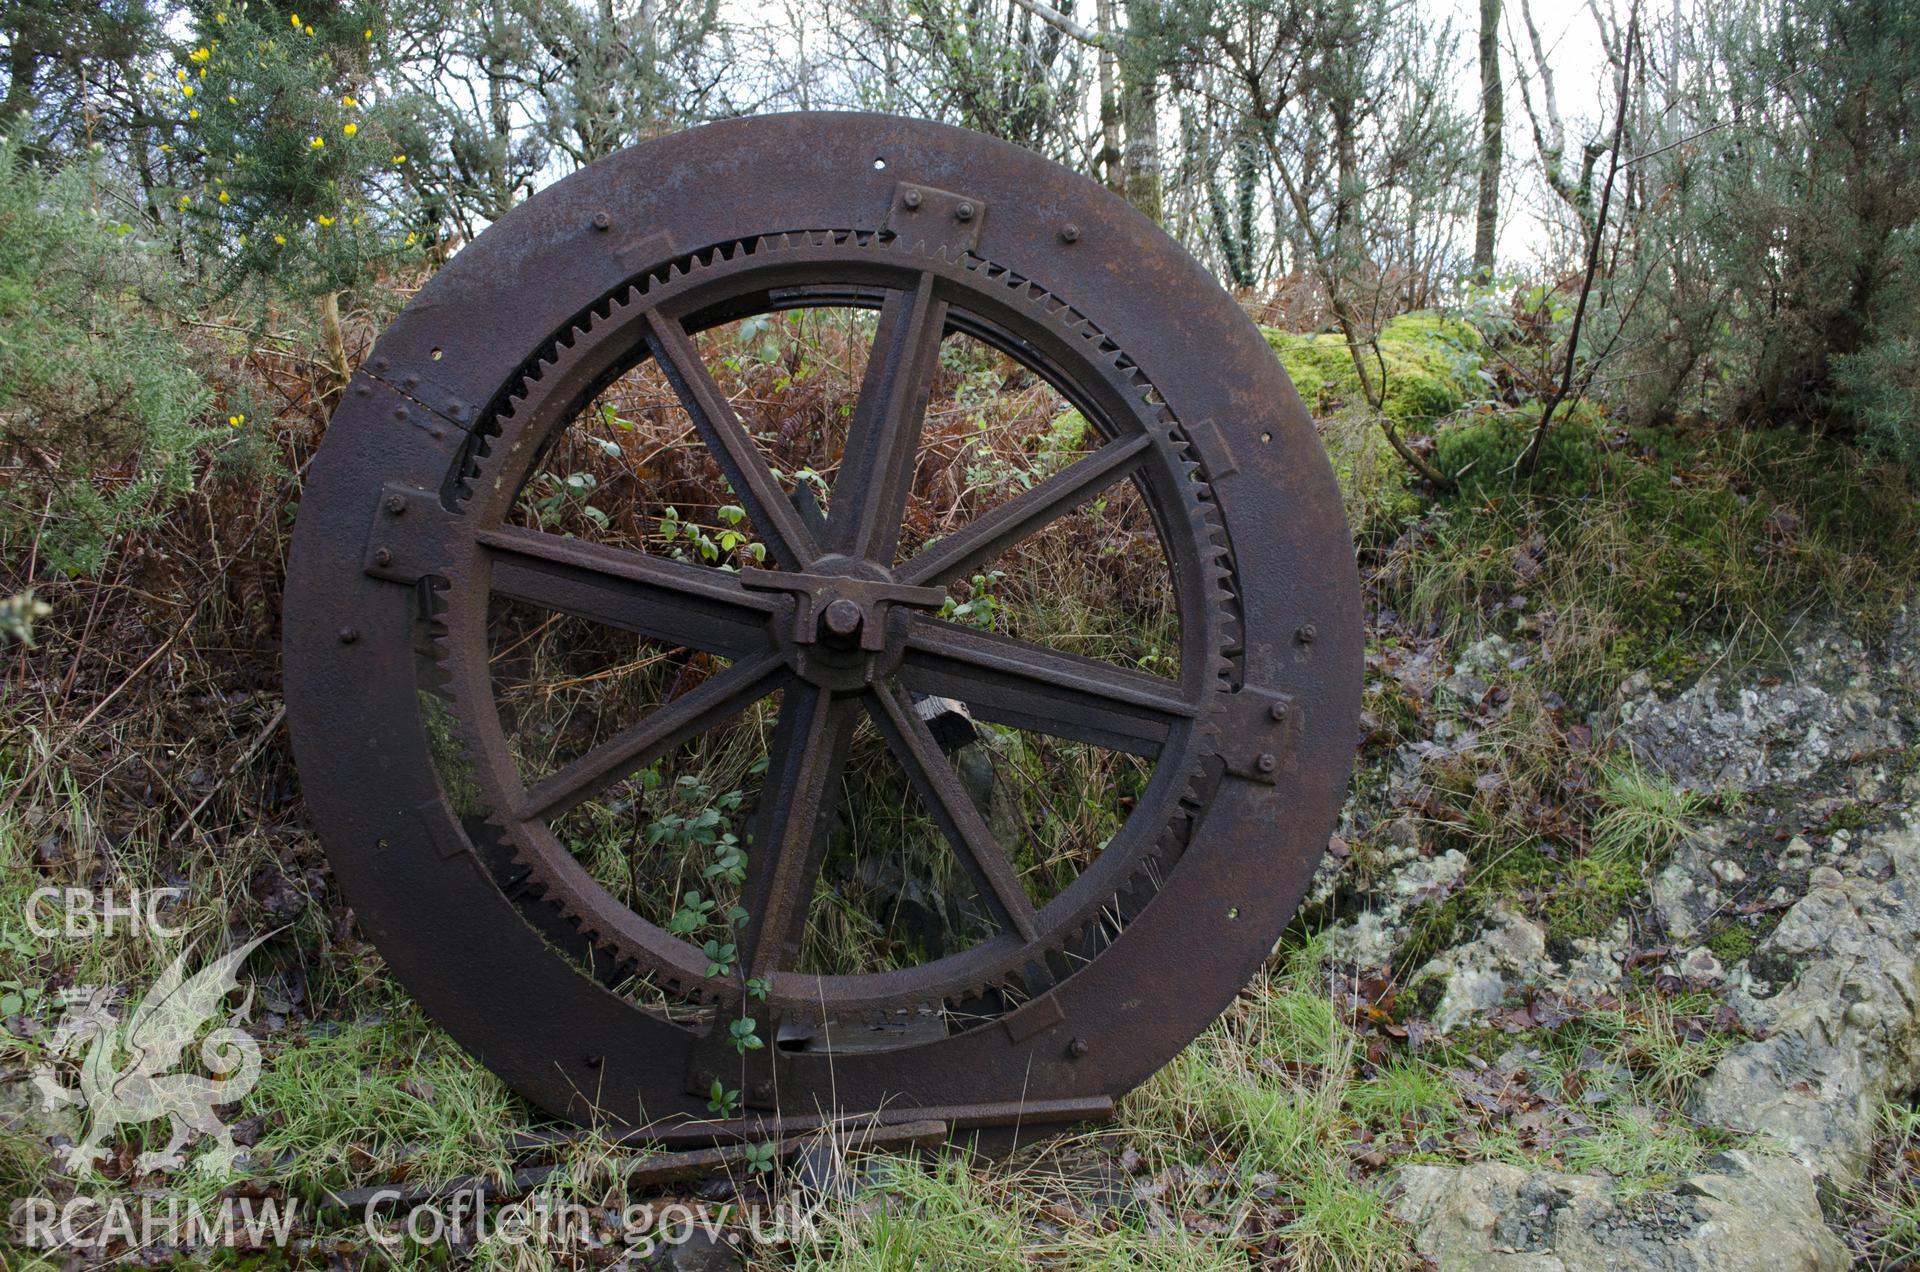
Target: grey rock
x=1743, y=1212
x=1715, y=734
x=700, y=1252
x=1370, y=939
x=1477, y=975
x=1841, y=1031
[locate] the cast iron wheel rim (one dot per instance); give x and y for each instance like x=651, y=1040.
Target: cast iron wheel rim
x=1257, y=725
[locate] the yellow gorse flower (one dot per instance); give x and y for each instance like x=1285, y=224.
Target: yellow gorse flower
x=325, y=220
x=350, y=128
x=186, y=90
x=200, y=55
x=318, y=143
x=194, y=113
x=221, y=18
x=294, y=18
x=225, y=197
x=348, y=101
x=399, y=159
x=281, y=239
x=236, y=420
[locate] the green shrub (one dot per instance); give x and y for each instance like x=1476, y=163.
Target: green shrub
x=101, y=415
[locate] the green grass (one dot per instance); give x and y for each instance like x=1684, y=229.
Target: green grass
x=1643, y=815
x=356, y=1103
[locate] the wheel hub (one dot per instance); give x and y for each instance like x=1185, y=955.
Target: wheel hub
x=840, y=635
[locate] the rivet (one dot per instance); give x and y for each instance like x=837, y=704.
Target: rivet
x=381, y=364
x=1278, y=711
x=1306, y=634
x=411, y=382
x=456, y=411
x=1069, y=233
x=382, y=557
x=349, y=634
x=396, y=504
x=1077, y=1048
x=963, y=212
x=911, y=198
x=1266, y=763
x=400, y=413
x=363, y=390
x=602, y=221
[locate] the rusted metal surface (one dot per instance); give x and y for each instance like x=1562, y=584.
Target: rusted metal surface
x=405, y=538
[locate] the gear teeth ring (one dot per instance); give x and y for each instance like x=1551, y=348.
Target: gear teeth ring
x=1067, y=945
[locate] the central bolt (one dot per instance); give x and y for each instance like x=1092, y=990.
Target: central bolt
x=843, y=618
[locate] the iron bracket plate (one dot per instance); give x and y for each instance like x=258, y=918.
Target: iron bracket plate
x=406, y=541
x=1259, y=734
x=922, y=214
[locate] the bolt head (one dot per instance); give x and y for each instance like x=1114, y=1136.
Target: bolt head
x=1266, y=763
x=396, y=504
x=1069, y=233
x=1077, y=1048
x=602, y=221
x=963, y=212
x=1278, y=711
x=349, y=634
x=382, y=556
x=843, y=617
x=912, y=199
x=1306, y=634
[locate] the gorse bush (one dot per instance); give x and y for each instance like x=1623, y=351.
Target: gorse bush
x=289, y=170
x=101, y=413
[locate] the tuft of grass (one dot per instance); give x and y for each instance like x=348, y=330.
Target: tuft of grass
x=1264, y=1091
x=1885, y=1204
x=364, y=1101
x=1643, y=815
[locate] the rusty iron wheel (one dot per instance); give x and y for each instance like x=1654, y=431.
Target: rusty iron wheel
x=407, y=538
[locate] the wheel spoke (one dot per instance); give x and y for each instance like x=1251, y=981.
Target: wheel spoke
x=791, y=825
x=668, y=601
x=746, y=470
x=1032, y=687
x=716, y=699
x=940, y=790
x=883, y=442
x=993, y=532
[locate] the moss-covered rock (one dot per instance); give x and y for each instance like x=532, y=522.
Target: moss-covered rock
x=1432, y=365
x=1482, y=453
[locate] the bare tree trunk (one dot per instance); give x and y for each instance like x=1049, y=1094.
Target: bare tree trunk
x=1531, y=458
x=1140, y=110
x=1493, y=118
x=334, y=341
x=1111, y=169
